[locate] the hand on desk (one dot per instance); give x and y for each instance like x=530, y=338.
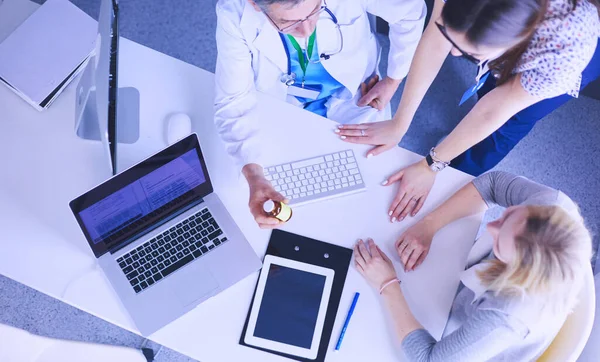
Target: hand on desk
x=413, y=245
x=261, y=190
x=373, y=264
x=416, y=181
x=384, y=135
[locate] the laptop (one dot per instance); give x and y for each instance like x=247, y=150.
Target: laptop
x=162, y=237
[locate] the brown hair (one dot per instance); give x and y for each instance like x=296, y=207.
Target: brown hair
x=551, y=253
x=499, y=23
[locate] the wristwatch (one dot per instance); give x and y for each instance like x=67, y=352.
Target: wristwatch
x=434, y=163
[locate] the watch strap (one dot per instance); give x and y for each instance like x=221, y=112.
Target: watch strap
x=429, y=160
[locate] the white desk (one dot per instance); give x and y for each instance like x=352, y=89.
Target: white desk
x=44, y=166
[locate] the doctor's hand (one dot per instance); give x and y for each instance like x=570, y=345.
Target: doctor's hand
x=416, y=181
x=413, y=245
x=373, y=264
x=261, y=190
x=385, y=135
x=378, y=94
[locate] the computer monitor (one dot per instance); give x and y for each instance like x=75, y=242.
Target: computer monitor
x=104, y=112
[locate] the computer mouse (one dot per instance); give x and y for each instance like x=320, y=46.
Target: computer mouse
x=179, y=125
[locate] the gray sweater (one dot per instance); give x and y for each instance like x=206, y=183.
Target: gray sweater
x=485, y=327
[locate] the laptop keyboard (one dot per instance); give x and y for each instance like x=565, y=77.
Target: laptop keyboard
x=169, y=251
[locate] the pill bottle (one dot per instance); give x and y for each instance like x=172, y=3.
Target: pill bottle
x=278, y=210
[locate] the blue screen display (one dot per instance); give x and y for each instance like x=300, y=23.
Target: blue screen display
x=290, y=306
x=129, y=207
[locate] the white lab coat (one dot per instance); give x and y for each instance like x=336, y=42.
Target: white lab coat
x=251, y=58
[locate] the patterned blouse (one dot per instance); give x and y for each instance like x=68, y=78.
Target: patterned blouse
x=560, y=49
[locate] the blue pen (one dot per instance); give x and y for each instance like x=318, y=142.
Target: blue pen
x=339, y=342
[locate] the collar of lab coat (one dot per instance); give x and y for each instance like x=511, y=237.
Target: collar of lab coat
x=267, y=39
x=269, y=43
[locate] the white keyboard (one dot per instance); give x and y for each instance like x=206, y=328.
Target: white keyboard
x=317, y=178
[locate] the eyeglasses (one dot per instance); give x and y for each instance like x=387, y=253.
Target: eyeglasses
x=466, y=55
x=312, y=15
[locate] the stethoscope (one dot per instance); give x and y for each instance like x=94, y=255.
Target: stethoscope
x=290, y=78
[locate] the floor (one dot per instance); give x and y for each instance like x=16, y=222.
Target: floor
x=562, y=151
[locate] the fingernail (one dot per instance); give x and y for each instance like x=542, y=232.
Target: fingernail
x=413, y=214
x=394, y=219
x=337, y=131
x=369, y=155
x=340, y=126
x=343, y=137
x=402, y=218
x=390, y=213
x=385, y=182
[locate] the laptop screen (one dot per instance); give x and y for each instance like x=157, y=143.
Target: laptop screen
x=166, y=183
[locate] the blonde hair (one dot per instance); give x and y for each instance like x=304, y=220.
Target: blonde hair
x=551, y=255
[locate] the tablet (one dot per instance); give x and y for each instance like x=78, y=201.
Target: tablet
x=289, y=307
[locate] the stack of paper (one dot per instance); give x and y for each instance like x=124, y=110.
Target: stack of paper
x=41, y=57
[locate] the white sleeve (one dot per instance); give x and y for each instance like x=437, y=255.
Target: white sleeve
x=406, y=19
x=235, y=93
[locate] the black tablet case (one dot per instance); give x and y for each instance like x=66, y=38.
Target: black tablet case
x=282, y=244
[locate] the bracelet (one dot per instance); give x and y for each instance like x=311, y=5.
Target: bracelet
x=386, y=284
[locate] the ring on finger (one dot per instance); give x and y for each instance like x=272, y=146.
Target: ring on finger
x=403, y=245
x=363, y=133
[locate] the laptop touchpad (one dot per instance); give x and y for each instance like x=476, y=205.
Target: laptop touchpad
x=194, y=284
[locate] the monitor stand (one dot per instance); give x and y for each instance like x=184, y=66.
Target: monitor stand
x=128, y=117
